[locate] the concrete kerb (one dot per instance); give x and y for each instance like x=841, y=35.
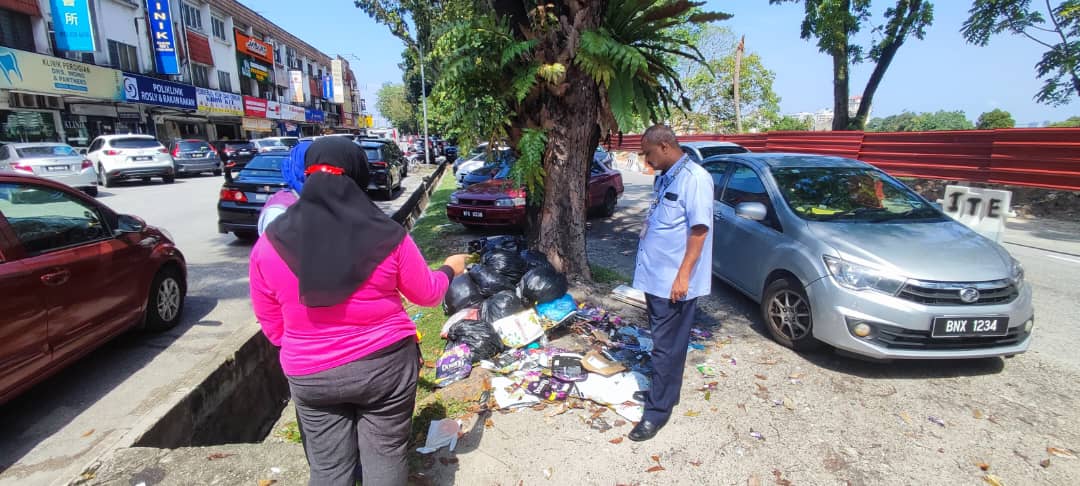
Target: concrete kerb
x=202, y=407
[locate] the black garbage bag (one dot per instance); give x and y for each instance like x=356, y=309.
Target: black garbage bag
x=507, y=263
x=462, y=293
x=535, y=259
x=482, y=339
x=489, y=281
x=543, y=284
x=505, y=242
x=501, y=305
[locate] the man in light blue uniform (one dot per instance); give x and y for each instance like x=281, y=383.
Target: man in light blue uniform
x=674, y=267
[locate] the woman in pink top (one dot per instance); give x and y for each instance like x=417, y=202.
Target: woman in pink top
x=326, y=285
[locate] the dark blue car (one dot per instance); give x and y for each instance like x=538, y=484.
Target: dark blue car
x=242, y=197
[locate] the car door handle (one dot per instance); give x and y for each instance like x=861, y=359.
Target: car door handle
x=56, y=278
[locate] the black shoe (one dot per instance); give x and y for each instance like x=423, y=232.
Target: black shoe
x=644, y=430
x=641, y=396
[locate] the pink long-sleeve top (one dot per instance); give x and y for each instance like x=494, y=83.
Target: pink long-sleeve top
x=314, y=339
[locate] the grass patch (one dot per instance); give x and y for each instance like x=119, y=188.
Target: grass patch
x=290, y=432
x=431, y=230
x=606, y=275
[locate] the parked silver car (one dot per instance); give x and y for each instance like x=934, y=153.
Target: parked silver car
x=838, y=252
x=193, y=156
x=56, y=161
x=699, y=151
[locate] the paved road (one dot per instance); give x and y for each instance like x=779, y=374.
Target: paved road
x=62, y=423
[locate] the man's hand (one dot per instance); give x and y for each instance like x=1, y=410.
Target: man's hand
x=680, y=288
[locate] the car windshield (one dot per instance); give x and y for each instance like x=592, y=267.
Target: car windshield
x=850, y=194
x=263, y=166
x=46, y=151
x=707, y=152
x=194, y=146
x=134, y=143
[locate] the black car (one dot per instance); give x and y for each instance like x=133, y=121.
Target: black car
x=243, y=195
x=194, y=156
x=390, y=151
x=384, y=163
x=235, y=153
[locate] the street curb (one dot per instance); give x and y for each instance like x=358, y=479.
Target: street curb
x=414, y=207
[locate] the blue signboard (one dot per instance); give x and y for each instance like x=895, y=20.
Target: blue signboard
x=73, y=26
x=162, y=39
x=150, y=91
x=314, y=116
x=327, y=87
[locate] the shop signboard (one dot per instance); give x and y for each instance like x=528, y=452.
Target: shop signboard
x=72, y=25
x=293, y=113
x=257, y=125
x=296, y=82
x=27, y=71
x=162, y=37
x=337, y=70
x=255, y=107
x=314, y=116
x=327, y=87
x=215, y=102
x=255, y=48
x=273, y=110
x=151, y=91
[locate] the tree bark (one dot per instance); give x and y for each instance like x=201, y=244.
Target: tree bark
x=840, y=88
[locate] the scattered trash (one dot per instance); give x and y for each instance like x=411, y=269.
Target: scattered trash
x=507, y=263
x=733, y=362
x=461, y=294
x=455, y=364
x=471, y=313
x=692, y=413
x=789, y=403
x=547, y=473
x=761, y=377
x=1067, y=454
x=568, y=367
x=658, y=467
x=479, y=336
x=1045, y=463
x=696, y=463
x=706, y=370
x=542, y=284
x=519, y=329
x=757, y=435
x=619, y=423
x=599, y=424
x=488, y=423
x=617, y=440
x=984, y=466
x=905, y=417
x=441, y=433
x=993, y=480
x=550, y=389
x=936, y=421
x=88, y=433
x=261, y=482
x=489, y=281
x=768, y=361
x=629, y=295
x=509, y=394
x=978, y=414
x=218, y=455
x=780, y=481
x=558, y=309
x=275, y=470
x=502, y=304
x=597, y=363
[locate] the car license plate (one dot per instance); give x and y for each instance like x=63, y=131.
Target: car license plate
x=474, y=214
x=57, y=168
x=950, y=327
x=260, y=198
x=144, y=157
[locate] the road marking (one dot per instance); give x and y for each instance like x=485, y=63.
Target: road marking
x=1070, y=260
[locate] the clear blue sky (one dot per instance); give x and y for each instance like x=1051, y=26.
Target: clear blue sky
x=940, y=72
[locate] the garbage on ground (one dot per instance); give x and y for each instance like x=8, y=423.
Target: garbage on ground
x=629, y=295
x=441, y=433
x=506, y=332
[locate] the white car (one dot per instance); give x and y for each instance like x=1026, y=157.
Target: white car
x=119, y=157
x=56, y=161
x=275, y=144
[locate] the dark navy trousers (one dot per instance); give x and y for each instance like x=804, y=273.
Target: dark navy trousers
x=670, y=324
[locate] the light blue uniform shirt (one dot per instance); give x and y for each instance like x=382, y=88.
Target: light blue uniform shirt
x=661, y=251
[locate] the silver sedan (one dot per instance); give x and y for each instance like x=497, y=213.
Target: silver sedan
x=56, y=161
x=838, y=252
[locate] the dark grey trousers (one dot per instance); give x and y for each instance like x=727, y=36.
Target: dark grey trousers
x=359, y=414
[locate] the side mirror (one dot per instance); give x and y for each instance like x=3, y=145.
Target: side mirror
x=127, y=223
x=752, y=210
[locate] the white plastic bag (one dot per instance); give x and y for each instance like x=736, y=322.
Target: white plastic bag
x=441, y=433
x=614, y=391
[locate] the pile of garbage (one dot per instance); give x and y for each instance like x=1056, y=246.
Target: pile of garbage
x=502, y=312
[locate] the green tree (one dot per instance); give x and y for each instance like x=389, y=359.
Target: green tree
x=1055, y=28
x=553, y=79
x=836, y=22
x=393, y=106
x=710, y=86
x=921, y=122
x=1072, y=122
x=996, y=118
x=791, y=124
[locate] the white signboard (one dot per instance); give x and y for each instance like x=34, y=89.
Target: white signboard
x=296, y=82
x=292, y=112
x=336, y=68
x=273, y=110
x=983, y=210
x=219, y=103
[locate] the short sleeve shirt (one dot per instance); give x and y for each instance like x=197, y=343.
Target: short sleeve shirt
x=686, y=201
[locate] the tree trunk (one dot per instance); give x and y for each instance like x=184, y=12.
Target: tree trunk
x=572, y=140
x=840, y=89
x=738, y=73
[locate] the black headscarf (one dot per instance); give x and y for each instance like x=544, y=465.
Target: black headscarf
x=334, y=237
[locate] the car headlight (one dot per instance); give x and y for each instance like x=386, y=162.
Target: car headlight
x=860, y=277
x=510, y=202
x=454, y=199
x=1017, y=274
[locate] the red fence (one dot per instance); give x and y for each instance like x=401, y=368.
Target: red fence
x=1036, y=157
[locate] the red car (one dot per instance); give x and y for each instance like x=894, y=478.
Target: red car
x=500, y=202
x=74, y=274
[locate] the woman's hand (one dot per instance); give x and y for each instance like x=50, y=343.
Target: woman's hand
x=457, y=263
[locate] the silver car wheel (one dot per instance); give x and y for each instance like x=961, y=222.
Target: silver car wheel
x=168, y=301
x=789, y=314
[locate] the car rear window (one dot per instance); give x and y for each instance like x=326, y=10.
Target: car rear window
x=46, y=151
x=194, y=146
x=239, y=145
x=290, y=142
x=134, y=143
x=707, y=152
x=269, y=143
x=263, y=164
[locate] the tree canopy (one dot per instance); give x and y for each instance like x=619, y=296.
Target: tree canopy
x=393, y=105
x=996, y=118
x=921, y=122
x=835, y=23
x=1055, y=28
